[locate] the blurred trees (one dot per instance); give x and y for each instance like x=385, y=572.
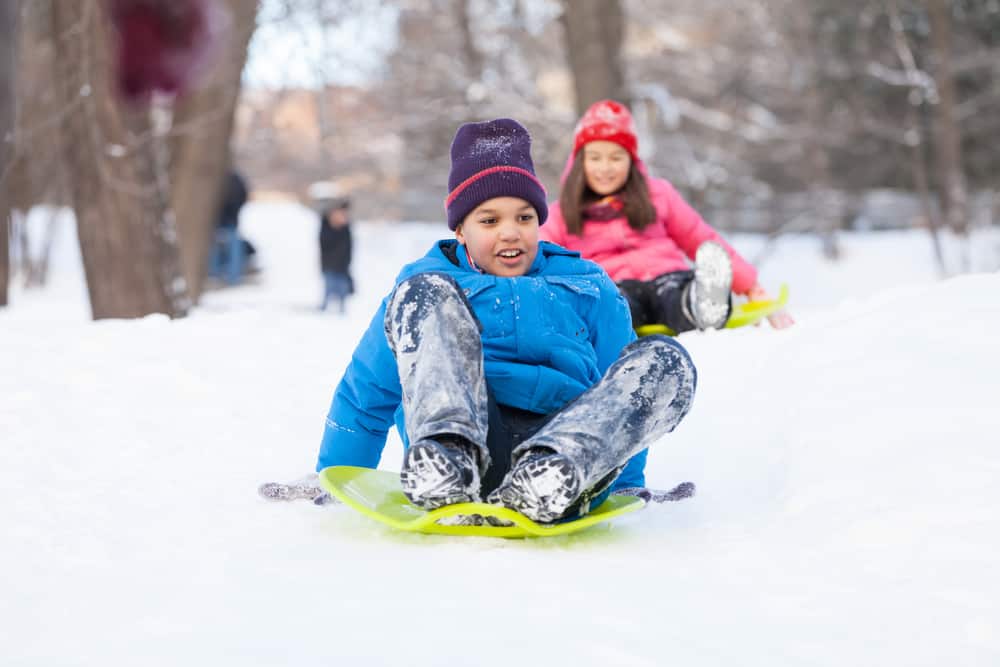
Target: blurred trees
x=770, y=115
x=594, y=31
x=199, y=143
x=757, y=93
x=463, y=60
x=143, y=172
x=115, y=171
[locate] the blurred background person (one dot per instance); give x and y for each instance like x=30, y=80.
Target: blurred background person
x=230, y=254
x=335, y=246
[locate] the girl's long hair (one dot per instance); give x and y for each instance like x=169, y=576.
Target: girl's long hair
x=576, y=195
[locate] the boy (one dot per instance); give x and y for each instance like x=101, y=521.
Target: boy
x=509, y=365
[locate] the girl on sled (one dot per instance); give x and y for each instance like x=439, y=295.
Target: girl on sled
x=640, y=230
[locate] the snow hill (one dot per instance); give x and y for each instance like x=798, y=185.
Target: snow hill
x=848, y=507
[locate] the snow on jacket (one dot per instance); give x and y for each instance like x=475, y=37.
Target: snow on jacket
x=664, y=246
x=547, y=337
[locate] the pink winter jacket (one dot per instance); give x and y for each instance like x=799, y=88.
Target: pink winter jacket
x=663, y=246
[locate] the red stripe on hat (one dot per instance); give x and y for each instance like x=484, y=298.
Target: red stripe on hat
x=486, y=172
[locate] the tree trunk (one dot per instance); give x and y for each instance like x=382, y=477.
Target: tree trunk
x=919, y=163
x=820, y=183
x=471, y=55
x=8, y=38
x=594, y=30
x=915, y=134
x=199, y=147
x=115, y=173
x=947, y=134
x=324, y=115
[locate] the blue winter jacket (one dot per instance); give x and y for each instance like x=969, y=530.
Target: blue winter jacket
x=548, y=336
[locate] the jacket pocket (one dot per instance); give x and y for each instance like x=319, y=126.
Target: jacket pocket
x=488, y=305
x=578, y=285
x=572, y=305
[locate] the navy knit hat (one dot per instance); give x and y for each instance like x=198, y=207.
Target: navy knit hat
x=491, y=159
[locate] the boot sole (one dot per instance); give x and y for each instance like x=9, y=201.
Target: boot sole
x=542, y=490
x=431, y=479
x=713, y=281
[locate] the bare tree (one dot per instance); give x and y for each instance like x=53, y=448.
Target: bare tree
x=471, y=56
x=199, y=146
x=116, y=175
x=34, y=176
x=806, y=40
x=463, y=60
x=594, y=30
x=948, y=136
x=921, y=88
x=8, y=33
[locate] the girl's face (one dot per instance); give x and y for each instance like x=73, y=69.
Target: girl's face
x=501, y=235
x=605, y=166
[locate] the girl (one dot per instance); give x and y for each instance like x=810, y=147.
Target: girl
x=643, y=233
x=509, y=366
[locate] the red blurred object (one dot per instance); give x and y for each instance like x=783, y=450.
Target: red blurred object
x=162, y=44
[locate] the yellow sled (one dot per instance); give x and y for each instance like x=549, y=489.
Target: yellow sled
x=743, y=314
x=378, y=495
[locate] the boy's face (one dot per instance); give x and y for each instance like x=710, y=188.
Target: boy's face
x=501, y=235
x=605, y=166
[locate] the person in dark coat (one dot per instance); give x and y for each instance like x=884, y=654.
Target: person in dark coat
x=230, y=252
x=234, y=196
x=335, y=245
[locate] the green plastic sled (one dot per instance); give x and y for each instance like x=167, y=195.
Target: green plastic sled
x=743, y=314
x=377, y=494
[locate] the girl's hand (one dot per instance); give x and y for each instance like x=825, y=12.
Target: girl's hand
x=778, y=320
x=781, y=319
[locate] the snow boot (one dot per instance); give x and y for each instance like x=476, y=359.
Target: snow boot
x=709, y=300
x=542, y=485
x=439, y=472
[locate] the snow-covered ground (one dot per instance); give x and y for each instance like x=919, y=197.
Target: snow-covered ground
x=848, y=507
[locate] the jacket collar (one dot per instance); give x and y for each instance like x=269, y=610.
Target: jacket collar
x=453, y=252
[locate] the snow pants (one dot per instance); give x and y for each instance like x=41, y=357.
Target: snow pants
x=227, y=256
x=336, y=287
x=436, y=339
x=662, y=300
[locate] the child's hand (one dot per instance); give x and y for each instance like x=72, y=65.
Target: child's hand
x=778, y=320
x=781, y=320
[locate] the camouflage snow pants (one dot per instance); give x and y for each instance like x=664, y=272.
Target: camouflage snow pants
x=435, y=336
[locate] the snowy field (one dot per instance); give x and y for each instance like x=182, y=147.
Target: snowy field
x=848, y=472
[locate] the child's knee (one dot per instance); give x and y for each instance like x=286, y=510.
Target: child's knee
x=669, y=355
x=416, y=298
x=425, y=289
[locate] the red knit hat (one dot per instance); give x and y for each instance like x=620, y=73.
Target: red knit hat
x=607, y=120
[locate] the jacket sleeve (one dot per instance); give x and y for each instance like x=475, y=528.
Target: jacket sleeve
x=364, y=403
x=554, y=229
x=689, y=231
x=611, y=326
x=634, y=473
